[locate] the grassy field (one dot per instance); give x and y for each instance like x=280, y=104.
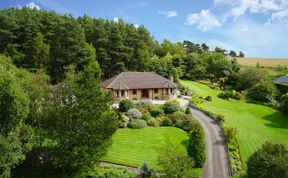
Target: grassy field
x=266, y=62
x=133, y=147
x=256, y=123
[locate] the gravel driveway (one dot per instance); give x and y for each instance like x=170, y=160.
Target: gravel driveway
x=216, y=165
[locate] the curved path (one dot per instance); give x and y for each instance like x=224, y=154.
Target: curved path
x=216, y=165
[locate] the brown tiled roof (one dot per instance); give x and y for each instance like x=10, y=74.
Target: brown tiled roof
x=137, y=80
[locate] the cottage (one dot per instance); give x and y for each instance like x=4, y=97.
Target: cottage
x=140, y=85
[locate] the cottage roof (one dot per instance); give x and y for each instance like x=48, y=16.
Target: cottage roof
x=282, y=79
x=137, y=80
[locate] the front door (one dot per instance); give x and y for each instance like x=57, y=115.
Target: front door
x=145, y=93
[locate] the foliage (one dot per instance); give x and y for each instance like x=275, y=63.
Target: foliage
x=230, y=133
x=284, y=103
x=220, y=118
x=196, y=145
x=125, y=105
x=151, y=122
x=146, y=171
x=157, y=111
x=171, y=106
x=147, y=116
x=81, y=122
x=236, y=95
x=134, y=113
x=263, y=92
x=15, y=135
x=175, y=163
x=208, y=98
x=179, y=115
x=144, y=103
x=105, y=172
x=137, y=124
x=123, y=121
x=224, y=95
x=188, y=111
x=269, y=161
x=248, y=77
x=167, y=122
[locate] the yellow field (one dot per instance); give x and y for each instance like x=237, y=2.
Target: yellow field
x=266, y=62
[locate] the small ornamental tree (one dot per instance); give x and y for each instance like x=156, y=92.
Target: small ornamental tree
x=269, y=161
x=171, y=106
x=196, y=145
x=125, y=105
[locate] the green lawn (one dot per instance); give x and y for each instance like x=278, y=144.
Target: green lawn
x=256, y=123
x=133, y=147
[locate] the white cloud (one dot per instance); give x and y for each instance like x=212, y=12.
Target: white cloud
x=280, y=16
x=256, y=40
x=204, y=20
x=115, y=19
x=32, y=5
x=169, y=14
x=237, y=8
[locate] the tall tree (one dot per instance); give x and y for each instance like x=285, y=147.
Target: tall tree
x=40, y=52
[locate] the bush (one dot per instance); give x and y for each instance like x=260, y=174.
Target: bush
x=137, y=124
x=284, y=103
x=123, y=121
x=146, y=116
x=188, y=122
x=236, y=95
x=125, y=105
x=208, y=98
x=105, y=172
x=175, y=163
x=269, y=161
x=167, y=122
x=188, y=111
x=196, y=145
x=171, y=106
x=156, y=112
x=144, y=103
x=159, y=120
x=220, y=118
x=179, y=115
x=224, y=95
x=230, y=133
x=134, y=113
x=146, y=172
x=263, y=92
x=152, y=122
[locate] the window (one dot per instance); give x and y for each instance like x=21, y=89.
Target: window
x=134, y=92
x=122, y=93
x=155, y=90
x=167, y=91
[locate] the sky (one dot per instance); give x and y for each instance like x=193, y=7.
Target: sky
x=259, y=28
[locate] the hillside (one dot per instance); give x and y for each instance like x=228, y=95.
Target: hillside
x=266, y=62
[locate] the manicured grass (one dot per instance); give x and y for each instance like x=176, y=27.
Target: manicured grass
x=256, y=123
x=133, y=147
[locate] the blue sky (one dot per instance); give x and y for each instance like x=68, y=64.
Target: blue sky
x=259, y=28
